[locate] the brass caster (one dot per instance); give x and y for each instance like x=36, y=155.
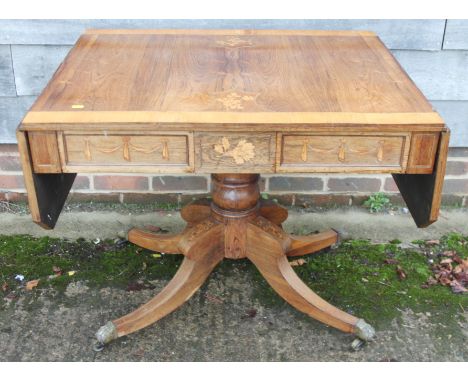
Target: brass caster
x=364, y=331
x=106, y=333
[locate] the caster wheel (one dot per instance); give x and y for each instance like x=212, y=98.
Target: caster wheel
x=98, y=347
x=357, y=344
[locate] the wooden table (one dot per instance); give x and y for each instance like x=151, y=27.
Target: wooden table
x=233, y=103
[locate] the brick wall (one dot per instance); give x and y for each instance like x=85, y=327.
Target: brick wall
x=311, y=189
x=433, y=52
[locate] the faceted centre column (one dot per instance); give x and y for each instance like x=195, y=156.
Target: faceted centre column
x=235, y=201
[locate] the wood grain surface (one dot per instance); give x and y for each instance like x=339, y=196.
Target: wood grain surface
x=231, y=77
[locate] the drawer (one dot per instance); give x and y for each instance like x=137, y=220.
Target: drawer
x=235, y=152
x=342, y=153
x=120, y=152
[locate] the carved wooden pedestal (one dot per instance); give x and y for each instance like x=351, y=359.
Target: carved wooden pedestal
x=235, y=224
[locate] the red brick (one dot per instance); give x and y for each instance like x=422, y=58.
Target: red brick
x=390, y=185
x=79, y=197
x=455, y=186
x=290, y=183
x=457, y=168
x=354, y=184
x=150, y=198
x=10, y=163
x=118, y=182
x=8, y=182
x=81, y=183
x=286, y=200
x=180, y=183
x=321, y=200
x=17, y=197
x=186, y=199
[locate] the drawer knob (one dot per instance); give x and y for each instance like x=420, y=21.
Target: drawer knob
x=380, y=151
x=341, y=151
x=126, y=148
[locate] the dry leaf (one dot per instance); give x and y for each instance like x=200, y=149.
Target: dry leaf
x=212, y=298
x=251, y=313
x=57, y=270
x=31, y=284
x=457, y=287
x=400, y=272
x=433, y=242
x=298, y=262
x=391, y=261
x=5, y=287
x=448, y=253
x=71, y=273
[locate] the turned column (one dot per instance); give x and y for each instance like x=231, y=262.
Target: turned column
x=235, y=201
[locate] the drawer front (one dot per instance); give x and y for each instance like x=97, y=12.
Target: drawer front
x=235, y=152
x=342, y=153
x=126, y=152
x=422, y=153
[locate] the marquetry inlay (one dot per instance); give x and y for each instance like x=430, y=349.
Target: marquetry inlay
x=234, y=42
x=342, y=150
x=126, y=146
x=234, y=101
x=241, y=153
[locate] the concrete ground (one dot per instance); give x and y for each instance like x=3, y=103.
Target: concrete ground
x=213, y=325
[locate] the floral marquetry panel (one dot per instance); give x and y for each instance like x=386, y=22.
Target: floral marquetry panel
x=221, y=152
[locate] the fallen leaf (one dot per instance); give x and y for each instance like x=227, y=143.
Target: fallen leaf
x=31, y=284
x=71, y=273
x=457, y=259
x=400, y=272
x=251, y=313
x=57, y=270
x=298, y=262
x=136, y=286
x=448, y=253
x=391, y=261
x=11, y=296
x=212, y=298
x=457, y=287
x=5, y=287
x=433, y=242
x=446, y=261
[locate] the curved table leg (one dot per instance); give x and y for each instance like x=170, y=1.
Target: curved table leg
x=158, y=242
x=267, y=254
x=273, y=212
x=303, y=245
x=192, y=273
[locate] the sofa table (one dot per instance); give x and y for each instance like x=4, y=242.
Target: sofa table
x=235, y=104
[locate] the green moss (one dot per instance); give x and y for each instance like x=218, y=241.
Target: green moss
x=105, y=263
x=353, y=276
